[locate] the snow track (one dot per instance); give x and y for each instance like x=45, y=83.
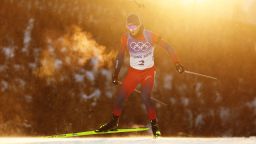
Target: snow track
x=130, y=140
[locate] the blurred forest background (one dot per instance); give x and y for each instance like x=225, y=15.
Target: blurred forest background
x=56, y=61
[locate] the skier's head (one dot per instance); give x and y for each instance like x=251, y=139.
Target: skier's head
x=133, y=24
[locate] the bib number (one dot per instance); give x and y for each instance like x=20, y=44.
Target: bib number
x=141, y=62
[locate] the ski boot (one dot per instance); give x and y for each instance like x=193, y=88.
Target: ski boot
x=155, y=128
x=110, y=126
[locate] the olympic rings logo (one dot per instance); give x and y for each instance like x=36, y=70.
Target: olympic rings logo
x=140, y=46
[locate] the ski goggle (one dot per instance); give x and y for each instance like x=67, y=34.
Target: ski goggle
x=132, y=27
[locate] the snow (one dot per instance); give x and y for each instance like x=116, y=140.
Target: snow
x=172, y=100
x=32, y=65
x=199, y=120
x=20, y=83
x=168, y=80
x=28, y=98
x=218, y=97
x=130, y=140
x=185, y=101
x=90, y=76
x=182, y=88
x=109, y=93
x=94, y=95
x=63, y=50
x=58, y=64
x=27, y=35
x=106, y=73
x=224, y=114
x=4, y=85
x=252, y=104
x=26, y=124
x=79, y=78
x=8, y=52
x=198, y=89
x=51, y=48
x=94, y=62
x=17, y=67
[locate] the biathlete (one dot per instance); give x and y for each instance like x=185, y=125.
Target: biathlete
x=139, y=42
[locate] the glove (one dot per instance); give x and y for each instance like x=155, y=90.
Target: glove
x=179, y=68
x=115, y=79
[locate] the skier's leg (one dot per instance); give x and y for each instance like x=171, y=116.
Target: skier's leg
x=129, y=83
x=147, y=87
x=146, y=92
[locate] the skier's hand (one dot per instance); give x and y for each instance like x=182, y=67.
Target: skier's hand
x=115, y=79
x=179, y=67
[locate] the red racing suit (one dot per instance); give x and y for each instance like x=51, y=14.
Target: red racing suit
x=141, y=69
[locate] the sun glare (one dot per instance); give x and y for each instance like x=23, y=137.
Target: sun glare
x=212, y=8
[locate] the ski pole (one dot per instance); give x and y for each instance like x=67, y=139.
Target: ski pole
x=198, y=74
x=139, y=92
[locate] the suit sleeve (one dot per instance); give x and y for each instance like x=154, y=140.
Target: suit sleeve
x=155, y=38
x=162, y=43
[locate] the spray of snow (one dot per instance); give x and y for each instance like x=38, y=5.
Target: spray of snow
x=72, y=50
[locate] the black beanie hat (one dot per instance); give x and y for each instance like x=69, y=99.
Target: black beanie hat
x=133, y=19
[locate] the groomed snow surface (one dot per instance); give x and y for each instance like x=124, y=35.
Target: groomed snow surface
x=130, y=140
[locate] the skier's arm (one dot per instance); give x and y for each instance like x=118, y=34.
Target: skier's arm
x=171, y=52
x=119, y=60
x=169, y=49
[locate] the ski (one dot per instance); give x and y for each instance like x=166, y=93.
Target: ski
x=87, y=133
